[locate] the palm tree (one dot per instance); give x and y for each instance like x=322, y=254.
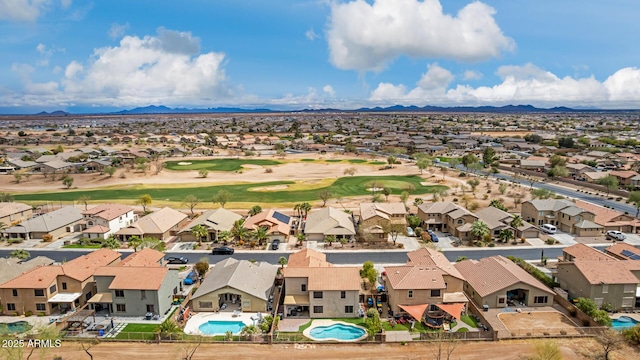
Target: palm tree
x=301, y=237
x=111, y=243
x=200, y=232
x=480, y=229
x=135, y=242
x=238, y=230
x=224, y=236
x=167, y=329
x=249, y=330
x=505, y=235
x=261, y=234
x=21, y=254
x=516, y=222
x=330, y=239
x=282, y=261
x=255, y=210
x=297, y=209
x=305, y=208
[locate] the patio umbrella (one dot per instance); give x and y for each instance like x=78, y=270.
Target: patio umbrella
x=416, y=311
x=454, y=309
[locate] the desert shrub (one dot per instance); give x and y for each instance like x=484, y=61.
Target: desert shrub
x=563, y=332
x=485, y=197
x=47, y=237
x=573, y=311
x=632, y=334
x=473, y=206
x=551, y=241
x=268, y=170
x=28, y=313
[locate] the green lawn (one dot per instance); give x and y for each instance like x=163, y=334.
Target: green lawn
x=357, y=161
x=418, y=327
x=77, y=246
x=462, y=330
x=333, y=160
x=343, y=187
x=218, y=164
x=307, y=160
x=469, y=321
x=304, y=327
x=377, y=162
x=138, y=332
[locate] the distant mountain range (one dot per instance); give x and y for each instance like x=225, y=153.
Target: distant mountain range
x=161, y=109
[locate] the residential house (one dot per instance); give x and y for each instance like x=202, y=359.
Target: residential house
x=12, y=267
x=314, y=288
x=584, y=252
x=377, y=218
x=498, y=220
x=623, y=251
x=136, y=286
x=55, y=288
x=214, y=221
x=605, y=282
x=594, y=176
x=236, y=285
x=448, y=217
x=106, y=219
x=627, y=178
x=278, y=225
x=57, y=223
x=611, y=219
x=11, y=213
x=427, y=278
x=564, y=214
x=329, y=221
x=160, y=224
x=497, y=282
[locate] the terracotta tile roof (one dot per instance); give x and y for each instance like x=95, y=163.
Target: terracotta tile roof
x=407, y=277
x=36, y=278
x=157, y=222
x=108, y=211
x=618, y=248
x=81, y=268
x=604, y=216
x=327, y=278
x=134, y=277
x=597, y=272
x=146, y=257
x=369, y=210
x=430, y=257
x=308, y=258
x=12, y=267
x=9, y=208
x=623, y=174
x=269, y=219
x=584, y=252
x=492, y=274
x=97, y=229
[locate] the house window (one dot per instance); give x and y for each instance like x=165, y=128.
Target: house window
x=435, y=293
x=628, y=288
x=410, y=294
x=317, y=294
x=459, y=221
x=343, y=294
x=64, y=286
x=205, y=304
x=121, y=308
x=53, y=289
x=11, y=307
x=348, y=309
x=501, y=300
x=605, y=289
x=41, y=307
x=38, y=292
x=303, y=287
x=87, y=296
x=120, y=293
x=14, y=292
x=540, y=300
x=318, y=309
x=143, y=294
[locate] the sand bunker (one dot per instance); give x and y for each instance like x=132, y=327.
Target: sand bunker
x=270, y=188
x=183, y=163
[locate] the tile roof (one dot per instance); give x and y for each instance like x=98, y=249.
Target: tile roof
x=550, y=204
x=329, y=221
x=146, y=257
x=370, y=210
x=10, y=208
x=219, y=219
x=607, y=272
x=618, y=248
x=268, y=218
x=430, y=257
x=134, y=277
x=492, y=274
x=327, y=278
x=37, y=278
x=407, y=277
x=308, y=258
x=96, y=229
x=48, y=222
x=108, y=211
x=585, y=252
x=12, y=267
x=604, y=216
x=157, y=222
x=440, y=207
x=252, y=278
x=81, y=268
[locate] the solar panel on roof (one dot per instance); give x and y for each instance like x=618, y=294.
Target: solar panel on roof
x=631, y=255
x=281, y=217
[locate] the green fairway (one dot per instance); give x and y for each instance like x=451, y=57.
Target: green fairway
x=217, y=164
x=357, y=161
x=342, y=187
x=378, y=162
x=307, y=160
x=333, y=160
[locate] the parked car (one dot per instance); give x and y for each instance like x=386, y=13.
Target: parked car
x=176, y=260
x=223, y=250
x=191, y=278
x=275, y=245
x=548, y=228
x=433, y=235
x=616, y=235
x=410, y=232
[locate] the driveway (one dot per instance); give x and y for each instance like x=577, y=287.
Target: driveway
x=564, y=238
x=632, y=239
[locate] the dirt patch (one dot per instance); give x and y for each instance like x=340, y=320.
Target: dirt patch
x=270, y=188
x=538, y=323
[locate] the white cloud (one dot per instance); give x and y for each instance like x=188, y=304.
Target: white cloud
x=435, y=78
x=527, y=84
x=365, y=36
x=117, y=30
x=166, y=68
x=472, y=75
x=329, y=90
x=27, y=10
x=311, y=35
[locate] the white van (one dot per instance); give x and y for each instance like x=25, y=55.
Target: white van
x=548, y=228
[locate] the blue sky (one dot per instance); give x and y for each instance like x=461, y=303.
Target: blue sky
x=286, y=54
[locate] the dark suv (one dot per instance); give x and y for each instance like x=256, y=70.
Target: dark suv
x=275, y=245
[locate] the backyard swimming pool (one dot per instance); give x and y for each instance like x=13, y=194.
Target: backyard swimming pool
x=14, y=327
x=623, y=322
x=339, y=332
x=218, y=327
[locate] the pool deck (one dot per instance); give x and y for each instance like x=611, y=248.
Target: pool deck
x=198, y=319
x=326, y=322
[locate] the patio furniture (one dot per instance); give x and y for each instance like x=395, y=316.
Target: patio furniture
x=237, y=313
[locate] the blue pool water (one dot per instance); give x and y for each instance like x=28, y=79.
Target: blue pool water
x=623, y=322
x=14, y=327
x=212, y=327
x=336, y=332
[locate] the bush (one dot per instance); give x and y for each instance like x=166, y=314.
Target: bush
x=473, y=206
x=47, y=238
x=455, y=200
x=28, y=313
x=632, y=334
x=573, y=311
x=551, y=241
x=485, y=197
x=563, y=332
x=268, y=170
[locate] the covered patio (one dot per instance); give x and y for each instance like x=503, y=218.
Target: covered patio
x=64, y=301
x=296, y=306
x=102, y=302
